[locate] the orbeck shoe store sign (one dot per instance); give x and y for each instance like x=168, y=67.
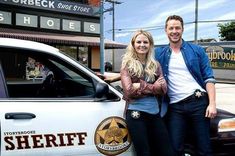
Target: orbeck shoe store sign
x=32, y=20
x=55, y=5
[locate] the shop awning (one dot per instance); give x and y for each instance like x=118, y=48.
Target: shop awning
x=55, y=38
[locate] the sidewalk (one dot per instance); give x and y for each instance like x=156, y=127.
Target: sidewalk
x=225, y=98
x=229, y=81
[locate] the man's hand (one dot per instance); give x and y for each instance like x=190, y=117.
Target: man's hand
x=161, y=80
x=211, y=111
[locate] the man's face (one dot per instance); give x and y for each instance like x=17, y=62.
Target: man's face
x=174, y=31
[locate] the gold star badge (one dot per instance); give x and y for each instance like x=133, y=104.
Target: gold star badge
x=112, y=136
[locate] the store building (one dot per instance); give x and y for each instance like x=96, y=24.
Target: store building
x=70, y=25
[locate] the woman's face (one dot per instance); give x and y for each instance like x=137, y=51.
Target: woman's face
x=141, y=44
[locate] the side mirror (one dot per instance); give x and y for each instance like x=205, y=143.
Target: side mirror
x=101, y=89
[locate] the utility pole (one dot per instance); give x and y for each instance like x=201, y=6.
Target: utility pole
x=102, y=47
x=113, y=26
x=196, y=22
x=101, y=37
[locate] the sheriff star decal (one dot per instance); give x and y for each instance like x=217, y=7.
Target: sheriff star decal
x=112, y=136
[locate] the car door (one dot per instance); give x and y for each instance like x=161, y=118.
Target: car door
x=56, y=107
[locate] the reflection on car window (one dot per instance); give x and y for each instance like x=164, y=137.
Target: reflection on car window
x=69, y=72
x=36, y=70
x=31, y=74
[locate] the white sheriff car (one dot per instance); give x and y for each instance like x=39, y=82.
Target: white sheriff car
x=52, y=105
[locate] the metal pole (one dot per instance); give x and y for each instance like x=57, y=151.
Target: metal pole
x=113, y=61
x=113, y=23
x=113, y=10
x=101, y=37
x=196, y=22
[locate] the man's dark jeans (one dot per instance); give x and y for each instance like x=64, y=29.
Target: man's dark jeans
x=190, y=112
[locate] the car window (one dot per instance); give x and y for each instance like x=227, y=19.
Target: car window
x=35, y=70
x=3, y=88
x=32, y=74
x=69, y=72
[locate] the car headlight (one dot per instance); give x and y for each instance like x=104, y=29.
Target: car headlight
x=226, y=125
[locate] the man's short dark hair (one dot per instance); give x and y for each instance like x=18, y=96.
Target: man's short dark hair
x=175, y=17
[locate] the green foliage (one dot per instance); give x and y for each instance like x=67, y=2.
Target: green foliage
x=227, y=31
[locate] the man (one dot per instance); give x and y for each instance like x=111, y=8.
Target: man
x=191, y=89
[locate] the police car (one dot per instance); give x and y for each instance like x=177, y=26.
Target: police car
x=52, y=105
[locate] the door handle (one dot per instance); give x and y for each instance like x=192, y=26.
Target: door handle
x=20, y=115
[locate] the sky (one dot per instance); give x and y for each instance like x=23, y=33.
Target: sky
x=150, y=15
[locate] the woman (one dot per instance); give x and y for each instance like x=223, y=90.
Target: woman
x=143, y=84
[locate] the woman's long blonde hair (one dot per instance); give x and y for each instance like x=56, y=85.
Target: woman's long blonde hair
x=132, y=63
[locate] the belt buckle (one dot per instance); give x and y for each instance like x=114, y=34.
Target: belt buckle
x=198, y=93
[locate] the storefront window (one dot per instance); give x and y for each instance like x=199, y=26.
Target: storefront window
x=69, y=50
x=78, y=53
x=83, y=55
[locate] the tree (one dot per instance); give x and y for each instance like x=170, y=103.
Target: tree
x=227, y=31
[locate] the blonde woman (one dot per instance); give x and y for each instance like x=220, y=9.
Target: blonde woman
x=143, y=84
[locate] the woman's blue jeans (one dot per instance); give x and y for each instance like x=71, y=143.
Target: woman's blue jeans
x=149, y=135
x=185, y=113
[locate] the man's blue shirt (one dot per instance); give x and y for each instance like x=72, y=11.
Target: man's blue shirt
x=196, y=61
